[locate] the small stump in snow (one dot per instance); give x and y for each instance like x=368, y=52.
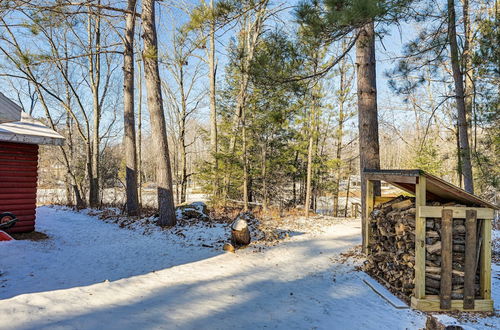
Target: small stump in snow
x=240, y=234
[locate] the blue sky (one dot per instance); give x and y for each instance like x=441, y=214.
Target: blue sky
x=171, y=18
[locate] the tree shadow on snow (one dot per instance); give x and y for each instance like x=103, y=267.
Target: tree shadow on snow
x=89, y=251
x=255, y=296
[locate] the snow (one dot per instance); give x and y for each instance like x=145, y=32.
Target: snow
x=93, y=274
x=239, y=224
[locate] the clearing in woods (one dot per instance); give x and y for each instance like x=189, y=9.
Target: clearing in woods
x=91, y=273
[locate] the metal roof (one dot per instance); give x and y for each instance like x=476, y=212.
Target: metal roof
x=9, y=111
x=30, y=131
x=436, y=188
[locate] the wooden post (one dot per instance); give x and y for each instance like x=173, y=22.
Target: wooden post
x=420, y=191
x=486, y=260
x=370, y=199
x=470, y=258
x=446, y=258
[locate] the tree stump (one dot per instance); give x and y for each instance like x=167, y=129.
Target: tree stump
x=240, y=234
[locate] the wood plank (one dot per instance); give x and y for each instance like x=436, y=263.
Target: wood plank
x=381, y=200
x=458, y=212
x=446, y=258
x=431, y=304
x=470, y=258
x=385, y=294
x=370, y=199
x=391, y=178
x=420, y=193
x=485, y=278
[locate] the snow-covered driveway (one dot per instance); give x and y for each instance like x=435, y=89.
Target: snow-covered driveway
x=94, y=275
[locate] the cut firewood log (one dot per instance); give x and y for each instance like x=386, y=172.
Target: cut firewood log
x=240, y=234
x=403, y=204
x=434, y=248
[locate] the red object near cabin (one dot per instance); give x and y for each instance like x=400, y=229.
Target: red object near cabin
x=5, y=237
x=18, y=183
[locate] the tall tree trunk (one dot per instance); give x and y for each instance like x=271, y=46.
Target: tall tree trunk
x=340, y=136
x=157, y=116
x=296, y=164
x=459, y=158
x=94, y=30
x=139, y=131
x=459, y=96
x=348, y=190
x=264, y=177
x=468, y=70
x=182, y=135
x=245, y=163
x=129, y=113
x=213, y=106
x=369, y=157
x=310, y=151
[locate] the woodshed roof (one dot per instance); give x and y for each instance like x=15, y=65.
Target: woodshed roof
x=437, y=189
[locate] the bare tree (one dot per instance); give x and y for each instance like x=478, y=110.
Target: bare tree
x=214, y=148
x=157, y=116
x=129, y=113
x=183, y=99
x=94, y=58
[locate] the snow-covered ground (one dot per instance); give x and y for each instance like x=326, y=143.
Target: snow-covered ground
x=93, y=274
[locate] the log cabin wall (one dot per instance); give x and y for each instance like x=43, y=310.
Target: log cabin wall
x=18, y=183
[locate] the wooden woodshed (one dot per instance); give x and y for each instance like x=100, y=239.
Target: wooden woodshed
x=434, y=249
x=20, y=136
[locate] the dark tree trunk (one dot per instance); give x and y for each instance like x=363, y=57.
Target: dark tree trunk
x=128, y=113
x=213, y=108
x=157, y=116
x=463, y=135
x=94, y=30
x=369, y=157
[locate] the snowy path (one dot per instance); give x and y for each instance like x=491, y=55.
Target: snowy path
x=58, y=284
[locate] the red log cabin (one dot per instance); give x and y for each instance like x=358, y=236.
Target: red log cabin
x=20, y=136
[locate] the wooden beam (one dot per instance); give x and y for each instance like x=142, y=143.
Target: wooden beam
x=420, y=190
x=431, y=304
x=370, y=200
x=485, y=277
x=458, y=212
x=446, y=258
x=470, y=259
x=391, y=178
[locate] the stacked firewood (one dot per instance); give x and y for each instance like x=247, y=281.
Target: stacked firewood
x=392, y=245
x=392, y=249
x=433, y=258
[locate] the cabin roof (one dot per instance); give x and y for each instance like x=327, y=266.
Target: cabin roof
x=30, y=131
x=437, y=189
x=9, y=111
